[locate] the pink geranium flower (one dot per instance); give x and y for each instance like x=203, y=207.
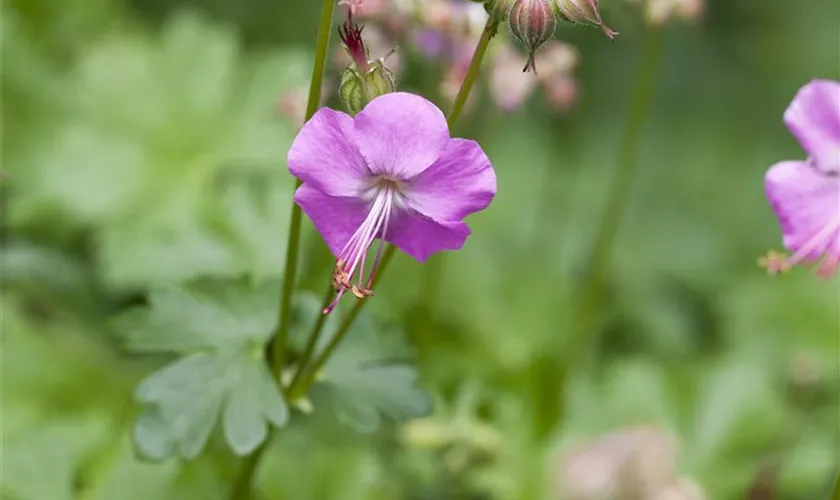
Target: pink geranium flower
x=391, y=173
x=806, y=194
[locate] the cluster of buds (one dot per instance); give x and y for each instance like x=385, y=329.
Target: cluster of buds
x=659, y=12
x=447, y=31
x=533, y=22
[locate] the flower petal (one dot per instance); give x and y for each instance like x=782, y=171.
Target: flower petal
x=814, y=119
x=324, y=155
x=420, y=236
x=807, y=203
x=459, y=183
x=401, y=134
x=335, y=217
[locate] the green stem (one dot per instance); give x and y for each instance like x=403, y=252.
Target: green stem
x=610, y=222
x=277, y=348
x=302, y=382
x=304, y=377
x=279, y=339
x=472, y=72
x=312, y=342
x=242, y=487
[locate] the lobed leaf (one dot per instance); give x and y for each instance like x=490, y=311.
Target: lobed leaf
x=221, y=328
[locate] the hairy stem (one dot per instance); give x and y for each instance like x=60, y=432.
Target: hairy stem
x=279, y=340
x=305, y=376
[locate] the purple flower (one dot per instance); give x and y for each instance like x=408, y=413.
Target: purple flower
x=806, y=194
x=391, y=173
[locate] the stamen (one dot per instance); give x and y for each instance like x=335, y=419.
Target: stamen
x=777, y=262
x=352, y=258
x=819, y=240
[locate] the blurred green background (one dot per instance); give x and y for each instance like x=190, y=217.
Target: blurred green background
x=142, y=147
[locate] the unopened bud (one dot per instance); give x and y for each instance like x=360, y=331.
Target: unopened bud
x=499, y=9
x=585, y=12
x=533, y=23
x=365, y=79
x=358, y=88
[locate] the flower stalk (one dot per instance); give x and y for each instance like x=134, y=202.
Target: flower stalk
x=626, y=167
x=305, y=377
x=608, y=226
x=277, y=347
x=280, y=337
x=472, y=72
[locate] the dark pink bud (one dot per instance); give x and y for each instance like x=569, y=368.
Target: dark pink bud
x=533, y=23
x=351, y=36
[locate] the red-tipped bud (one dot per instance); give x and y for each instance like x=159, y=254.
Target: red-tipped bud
x=364, y=79
x=351, y=37
x=533, y=23
x=585, y=12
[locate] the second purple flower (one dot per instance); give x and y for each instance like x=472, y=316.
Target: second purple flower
x=391, y=173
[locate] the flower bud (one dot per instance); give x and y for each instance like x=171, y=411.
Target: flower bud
x=584, y=11
x=357, y=89
x=499, y=9
x=533, y=23
x=364, y=79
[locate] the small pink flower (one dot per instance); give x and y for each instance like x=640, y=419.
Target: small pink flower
x=806, y=194
x=392, y=173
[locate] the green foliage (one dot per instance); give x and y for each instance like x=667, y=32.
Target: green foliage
x=144, y=176
x=221, y=329
x=170, y=153
x=370, y=377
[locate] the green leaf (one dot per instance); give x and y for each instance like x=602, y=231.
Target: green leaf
x=207, y=314
x=150, y=435
x=222, y=329
x=254, y=212
x=370, y=377
x=255, y=402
